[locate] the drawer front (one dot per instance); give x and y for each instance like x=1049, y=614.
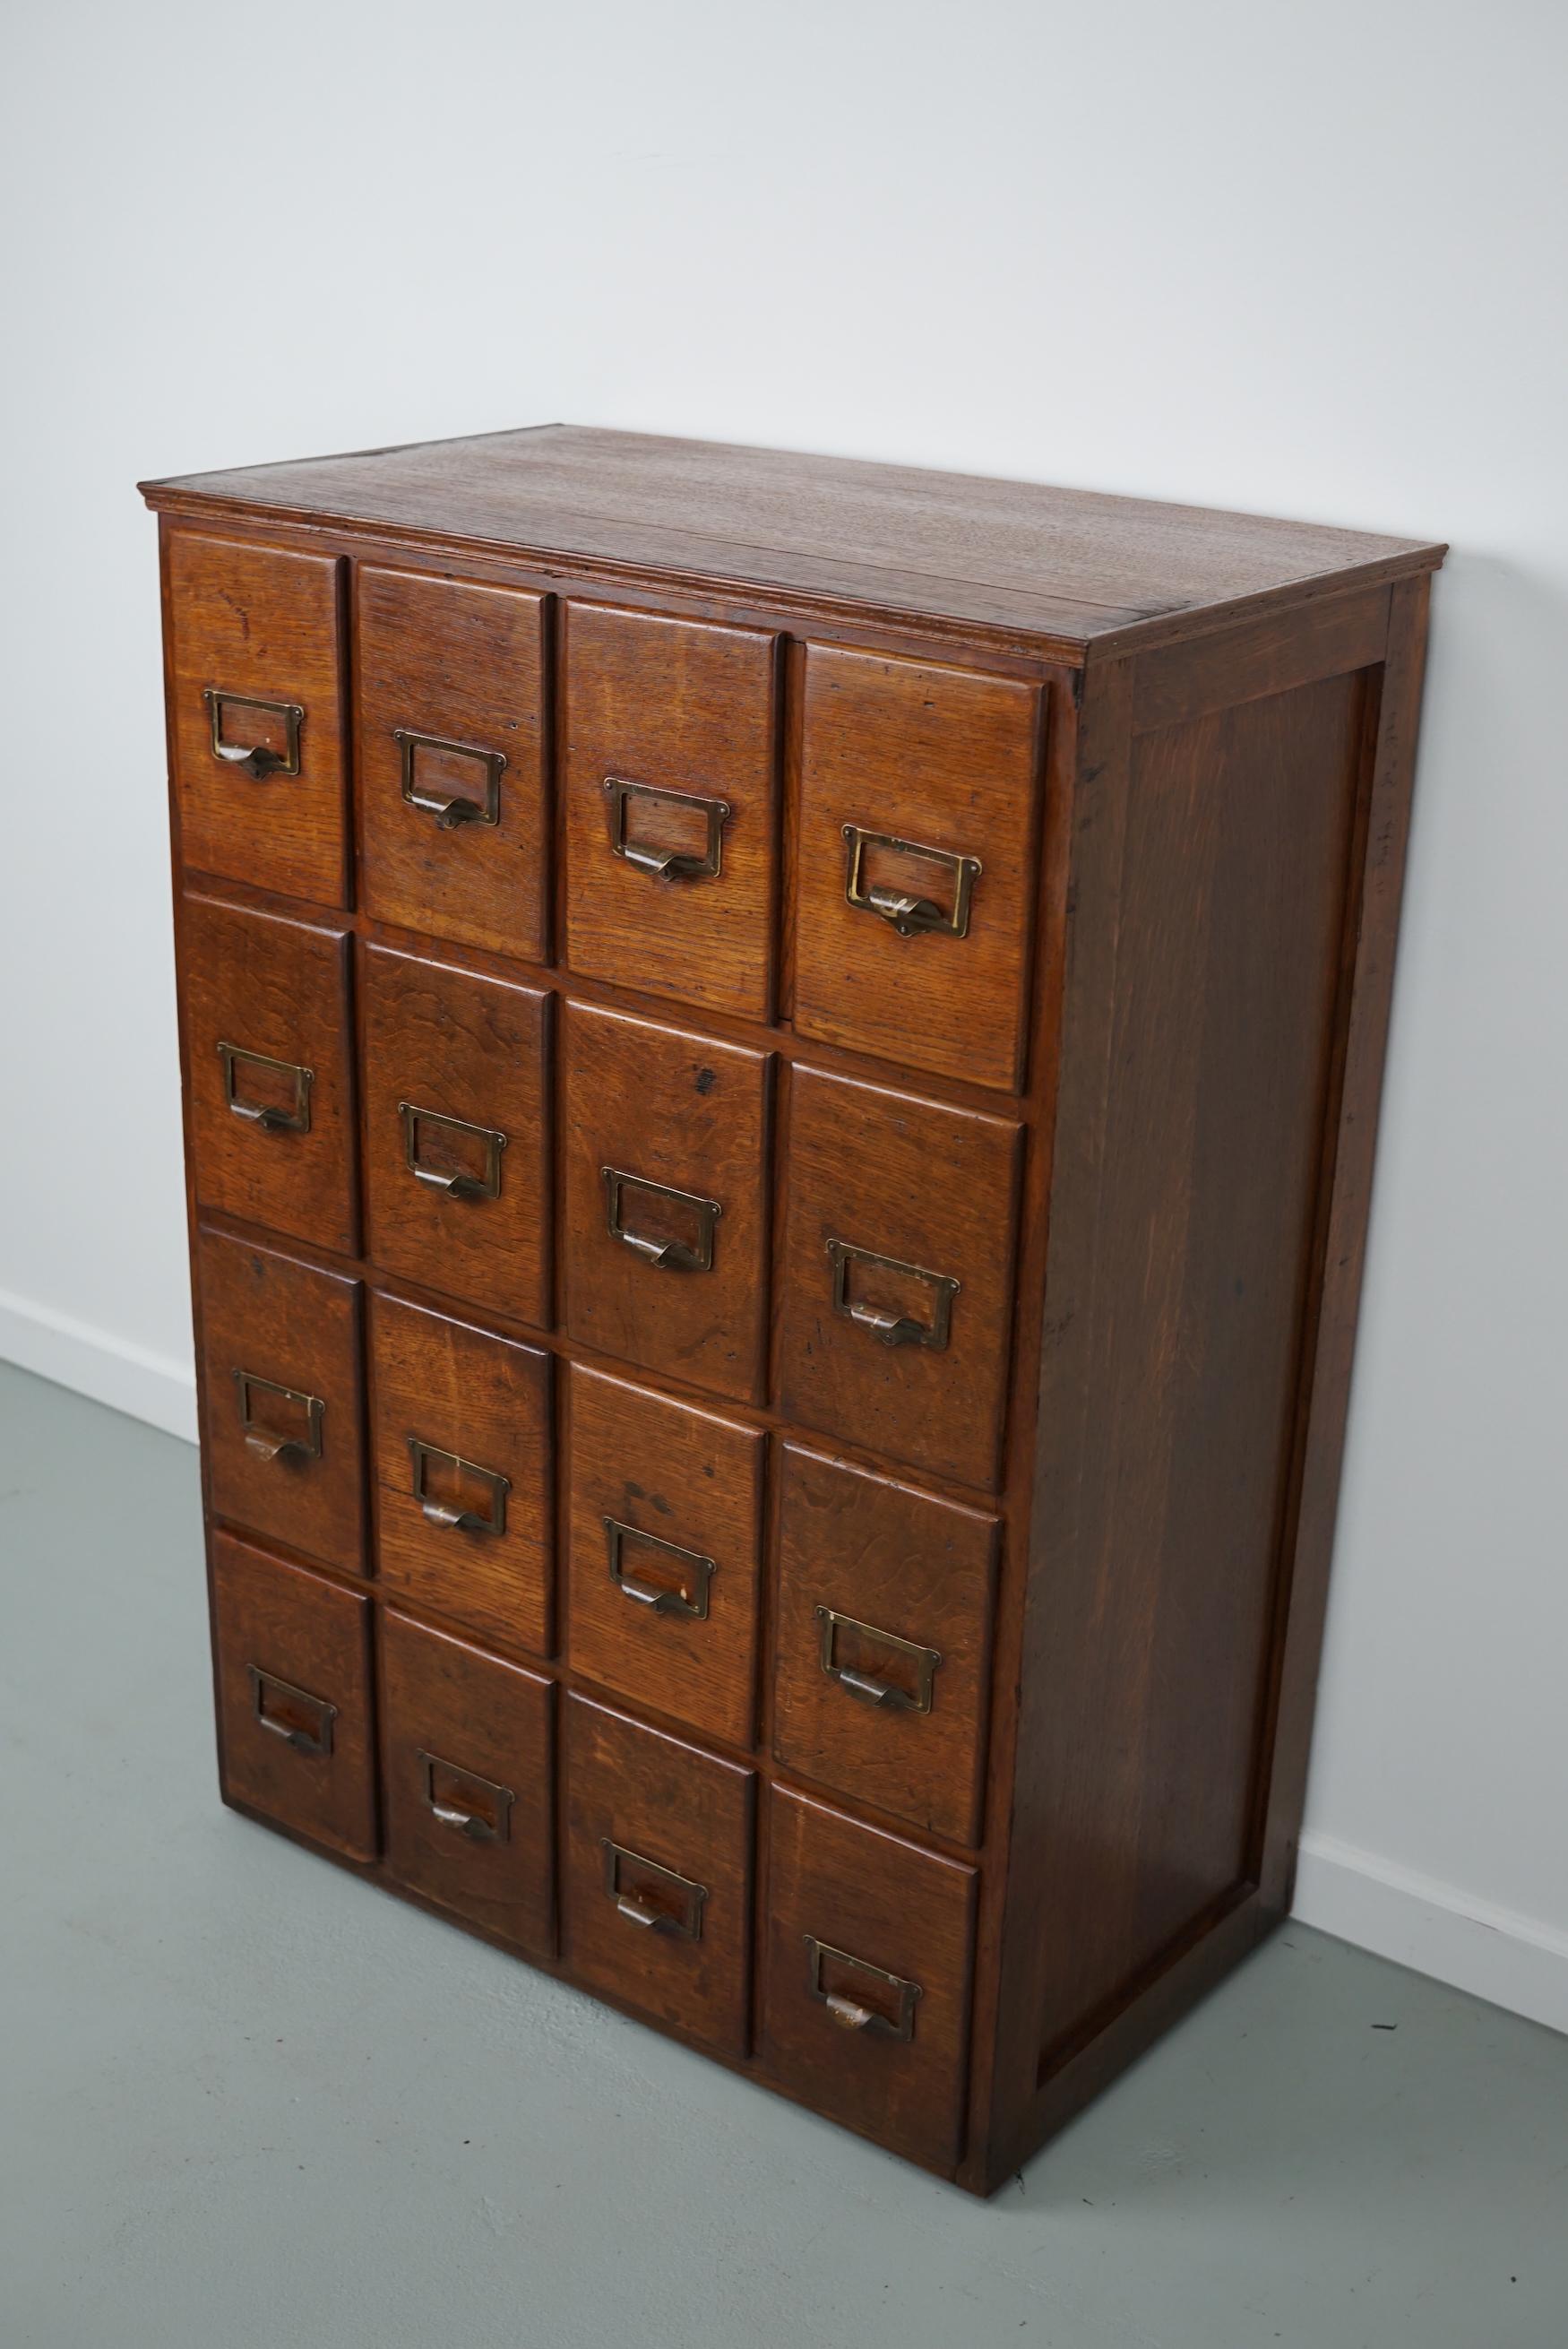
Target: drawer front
x=665, y=1529
x=865, y=2005
x=280, y=1345
x=270, y=1058
x=666, y=1199
x=671, y=797
x=658, y=1874
x=258, y=718
x=882, y=1641
x=455, y=1134
x=916, y=861
x=294, y=1697
x=452, y=815
x=897, y=1304
x=462, y=1428
x=466, y=1780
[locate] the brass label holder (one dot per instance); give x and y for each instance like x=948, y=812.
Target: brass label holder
x=255, y=758
x=909, y=915
x=266, y=1442
x=682, y=1924
x=316, y=1741
x=670, y=1256
x=696, y=1572
x=850, y=2013
x=449, y=808
x=893, y=1329
x=470, y=1823
x=886, y=1696
x=475, y=1521
x=661, y=863
x=485, y=1185
x=270, y=1118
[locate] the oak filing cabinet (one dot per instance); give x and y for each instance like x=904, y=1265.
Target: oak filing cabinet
x=781, y=1059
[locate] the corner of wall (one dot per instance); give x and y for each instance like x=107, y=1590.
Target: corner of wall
x=1436, y=1929
x=95, y=1363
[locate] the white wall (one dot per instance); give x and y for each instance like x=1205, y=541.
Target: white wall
x=1305, y=258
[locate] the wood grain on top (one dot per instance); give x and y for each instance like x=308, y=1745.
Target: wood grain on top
x=1065, y=563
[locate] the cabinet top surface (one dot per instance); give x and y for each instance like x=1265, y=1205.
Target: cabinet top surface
x=1080, y=568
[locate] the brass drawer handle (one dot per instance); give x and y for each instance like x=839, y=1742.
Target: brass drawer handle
x=266, y=1687
x=270, y=1118
x=255, y=758
x=682, y=1921
x=475, y=1521
x=697, y=1572
x=463, y=1819
x=893, y=1329
x=671, y=1256
x=887, y=1696
x=449, y=809
x=909, y=915
x=666, y=863
x=457, y=1186
x=266, y=1442
x=852, y=2014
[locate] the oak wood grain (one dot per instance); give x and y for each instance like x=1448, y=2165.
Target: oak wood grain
x=487, y=1399
x=1351, y=1150
x=665, y=1473
x=669, y=1110
x=1174, y=1324
x=299, y=1742
x=253, y=620
x=275, y=1319
x=914, y=1571
x=459, y=1046
x=686, y=711
x=1285, y=649
x=467, y=1734
x=933, y=1189
x=276, y=987
x=1069, y=563
x=895, y=1908
x=944, y=759
x=689, y=1813
x=463, y=663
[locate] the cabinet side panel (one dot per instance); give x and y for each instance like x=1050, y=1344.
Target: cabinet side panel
x=1162, y=1474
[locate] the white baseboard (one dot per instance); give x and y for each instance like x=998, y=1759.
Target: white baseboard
x=92, y=1361
x=1436, y=1929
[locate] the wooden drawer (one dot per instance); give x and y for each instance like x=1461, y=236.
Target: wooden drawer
x=658, y=1874
x=916, y=858
x=456, y=1131
x=468, y=1783
x=666, y=1527
x=257, y=715
x=670, y=755
x=896, y=1312
x=666, y=1198
x=865, y=2001
x=294, y=1697
x=270, y=1057
x=280, y=1353
x=462, y=1428
x=882, y=1641
x=453, y=825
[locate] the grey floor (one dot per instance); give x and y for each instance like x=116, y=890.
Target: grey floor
x=246, y=2100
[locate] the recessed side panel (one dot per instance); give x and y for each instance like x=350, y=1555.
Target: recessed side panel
x=1168, y=1420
